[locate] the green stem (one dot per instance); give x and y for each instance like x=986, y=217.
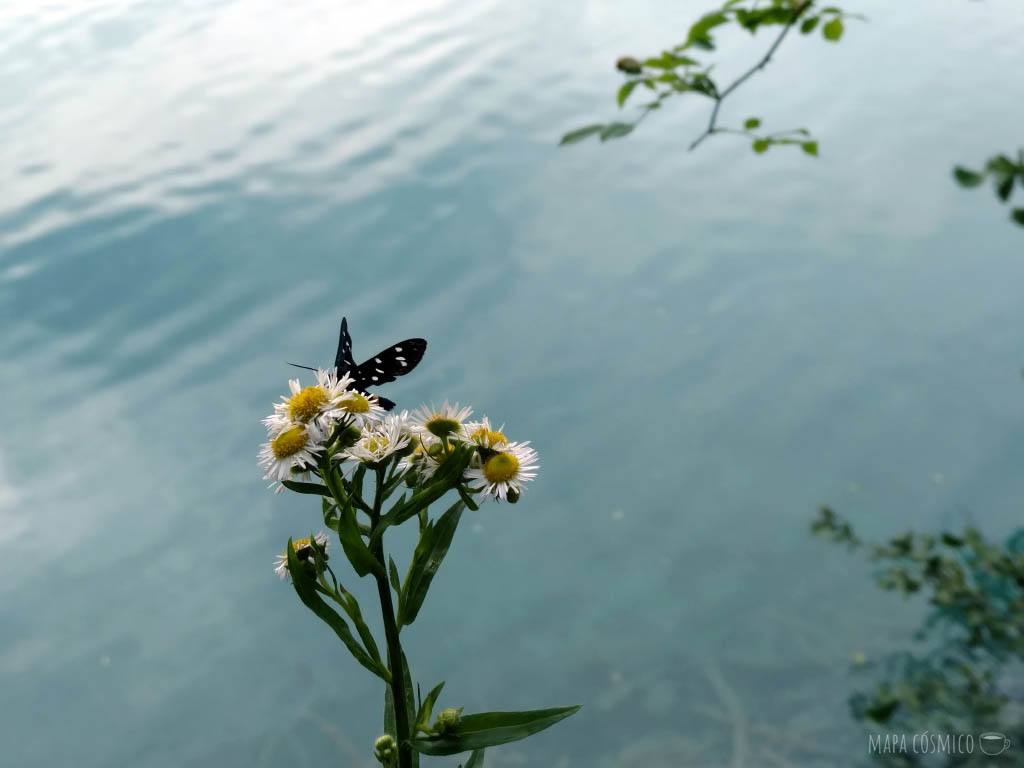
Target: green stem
x=395, y=662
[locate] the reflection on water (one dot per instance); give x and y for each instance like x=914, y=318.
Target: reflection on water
x=701, y=346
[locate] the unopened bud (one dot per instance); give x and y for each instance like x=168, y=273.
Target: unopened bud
x=447, y=722
x=629, y=65
x=385, y=750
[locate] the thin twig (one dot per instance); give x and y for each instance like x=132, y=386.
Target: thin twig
x=720, y=97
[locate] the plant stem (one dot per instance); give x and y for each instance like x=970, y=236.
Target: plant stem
x=395, y=661
x=719, y=98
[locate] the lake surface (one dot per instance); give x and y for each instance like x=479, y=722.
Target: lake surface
x=702, y=347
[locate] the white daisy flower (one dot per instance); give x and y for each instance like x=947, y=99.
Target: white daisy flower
x=504, y=471
x=317, y=404
x=300, y=546
x=483, y=434
x=442, y=422
x=293, y=448
x=425, y=458
x=359, y=408
x=381, y=439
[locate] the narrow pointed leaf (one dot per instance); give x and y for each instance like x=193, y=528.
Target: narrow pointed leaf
x=312, y=488
x=304, y=587
x=355, y=548
x=476, y=760
x=572, y=137
x=420, y=577
x=396, y=583
x=427, y=707
x=489, y=729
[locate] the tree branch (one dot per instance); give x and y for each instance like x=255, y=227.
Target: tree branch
x=720, y=97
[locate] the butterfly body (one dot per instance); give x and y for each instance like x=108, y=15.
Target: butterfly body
x=387, y=365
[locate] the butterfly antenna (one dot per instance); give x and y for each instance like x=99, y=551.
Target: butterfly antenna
x=302, y=366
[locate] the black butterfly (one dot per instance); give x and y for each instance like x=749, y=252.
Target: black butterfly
x=397, y=360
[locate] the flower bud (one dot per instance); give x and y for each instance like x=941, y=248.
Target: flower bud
x=629, y=65
x=512, y=496
x=447, y=722
x=385, y=750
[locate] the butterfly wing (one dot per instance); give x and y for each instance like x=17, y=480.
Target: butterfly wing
x=343, y=361
x=387, y=365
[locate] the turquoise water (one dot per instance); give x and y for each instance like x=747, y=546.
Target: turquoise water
x=702, y=347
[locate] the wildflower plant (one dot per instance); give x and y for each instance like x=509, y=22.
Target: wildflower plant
x=373, y=471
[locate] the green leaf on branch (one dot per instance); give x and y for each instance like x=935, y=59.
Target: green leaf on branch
x=311, y=488
x=625, y=90
x=616, y=131
x=751, y=123
x=580, y=134
x=698, y=34
x=1018, y=216
x=489, y=729
x=810, y=147
x=833, y=30
x=761, y=145
x=966, y=178
x=363, y=561
x=306, y=590
x=434, y=544
x=476, y=760
x=1005, y=187
x=807, y=25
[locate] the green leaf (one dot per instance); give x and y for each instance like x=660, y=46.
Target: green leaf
x=363, y=561
x=426, y=562
x=1018, y=216
x=833, y=30
x=761, y=145
x=699, y=31
x=476, y=760
x=312, y=488
x=427, y=707
x=396, y=583
x=1005, y=187
x=616, y=131
x=751, y=123
x=810, y=147
x=625, y=90
x=306, y=589
x=966, y=178
x=581, y=133
x=807, y=25
x=489, y=729
x=389, y=712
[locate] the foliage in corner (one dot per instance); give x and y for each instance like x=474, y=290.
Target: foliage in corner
x=972, y=638
x=1003, y=172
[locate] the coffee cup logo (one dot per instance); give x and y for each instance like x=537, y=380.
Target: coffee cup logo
x=993, y=743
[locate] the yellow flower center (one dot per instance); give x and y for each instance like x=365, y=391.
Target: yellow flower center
x=440, y=426
x=306, y=404
x=501, y=467
x=376, y=443
x=488, y=437
x=299, y=545
x=289, y=442
x=355, y=403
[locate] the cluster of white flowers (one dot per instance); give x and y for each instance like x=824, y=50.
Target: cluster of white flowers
x=304, y=422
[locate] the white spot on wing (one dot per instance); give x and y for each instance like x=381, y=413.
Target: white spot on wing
x=398, y=349
x=374, y=378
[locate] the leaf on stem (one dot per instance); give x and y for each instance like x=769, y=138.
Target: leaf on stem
x=625, y=90
x=427, y=707
x=967, y=178
x=580, y=134
x=488, y=729
x=616, y=131
x=304, y=587
x=434, y=541
x=312, y=488
x=833, y=30
x=363, y=561
x=1018, y=216
x=396, y=583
